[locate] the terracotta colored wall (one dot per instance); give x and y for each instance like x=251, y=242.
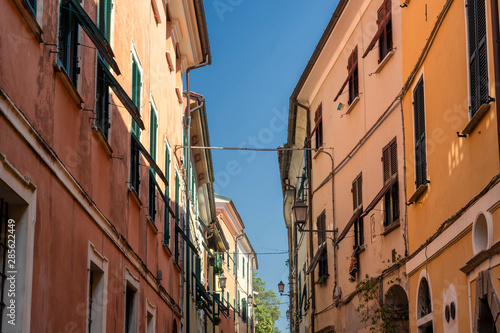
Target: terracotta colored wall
x=63, y=228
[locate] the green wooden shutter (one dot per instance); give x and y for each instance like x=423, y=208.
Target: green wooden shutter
x=136, y=93
x=153, y=132
x=234, y=262
x=243, y=266
x=177, y=185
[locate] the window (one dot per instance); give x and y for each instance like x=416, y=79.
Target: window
x=95, y=302
x=136, y=92
x=419, y=124
x=68, y=40
x=323, y=260
x=227, y=296
x=130, y=308
x=424, y=308
x=352, y=77
x=166, y=221
x=243, y=266
x=357, y=200
x=136, y=131
x=135, y=157
x=390, y=167
x=153, y=137
x=32, y=5
x=244, y=310
x=234, y=263
x=478, y=58
x=150, y=317
x=177, y=197
x=384, y=31
x=318, y=119
x=104, y=21
x=102, y=98
x=352, y=68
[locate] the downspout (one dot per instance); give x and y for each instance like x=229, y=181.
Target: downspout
x=310, y=202
x=187, y=126
x=295, y=286
x=496, y=59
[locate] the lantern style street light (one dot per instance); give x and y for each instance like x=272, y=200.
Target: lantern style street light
x=300, y=213
x=222, y=281
x=281, y=289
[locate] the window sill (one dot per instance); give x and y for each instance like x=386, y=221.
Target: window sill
x=30, y=18
x=103, y=141
x=384, y=62
x=352, y=105
x=317, y=152
x=167, y=249
x=391, y=227
x=70, y=87
x=474, y=121
x=135, y=197
x=418, y=193
x=152, y=224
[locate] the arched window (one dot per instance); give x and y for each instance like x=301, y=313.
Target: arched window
x=397, y=303
x=424, y=307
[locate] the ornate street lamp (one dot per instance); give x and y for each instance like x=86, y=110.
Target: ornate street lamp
x=300, y=213
x=250, y=299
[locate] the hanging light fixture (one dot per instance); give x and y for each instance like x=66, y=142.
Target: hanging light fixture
x=300, y=213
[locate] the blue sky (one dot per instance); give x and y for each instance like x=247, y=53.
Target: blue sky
x=259, y=50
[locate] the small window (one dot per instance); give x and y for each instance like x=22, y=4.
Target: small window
x=130, y=309
x=136, y=93
x=318, y=119
x=352, y=68
x=419, y=129
x=352, y=77
x=102, y=108
x=153, y=137
x=390, y=167
x=68, y=41
x=357, y=199
x=96, y=304
x=135, y=158
x=424, y=307
x=166, y=215
x=104, y=22
x=323, y=260
x=150, y=317
x=384, y=31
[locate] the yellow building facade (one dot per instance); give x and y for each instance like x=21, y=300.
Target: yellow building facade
x=452, y=164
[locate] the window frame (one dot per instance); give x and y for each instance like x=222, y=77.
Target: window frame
x=357, y=197
x=390, y=171
x=132, y=282
x=352, y=79
x=318, y=128
x=100, y=262
x=103, y=98
x=68, y=40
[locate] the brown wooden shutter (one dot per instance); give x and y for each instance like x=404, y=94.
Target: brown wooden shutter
x=385, y=162
x=360, y=190
x=354, y=191
x=394, y=157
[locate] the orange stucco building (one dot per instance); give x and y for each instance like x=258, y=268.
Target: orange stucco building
x=450, y=103
x=101, y=202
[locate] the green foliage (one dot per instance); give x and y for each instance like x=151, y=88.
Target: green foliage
x=380, y=316
x=267, y=310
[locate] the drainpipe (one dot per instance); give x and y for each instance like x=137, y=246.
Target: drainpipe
x=310, y=202
x=496, y=59
x=187, y=126
x=295, y=285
